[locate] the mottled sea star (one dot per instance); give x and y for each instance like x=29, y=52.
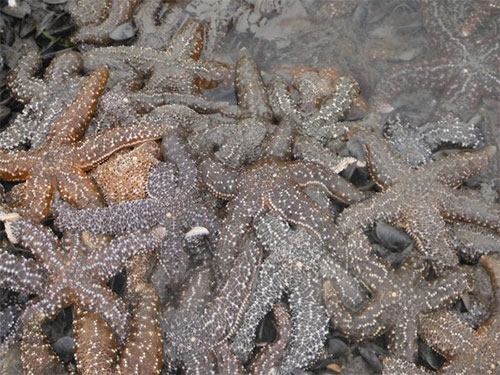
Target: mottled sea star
x=467, y=71
x=76, y=274
x=421, y=200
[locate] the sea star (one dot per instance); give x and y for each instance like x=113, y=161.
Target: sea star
x=76, y=274
x=483, y=9
x=114, y=176
x=292, y=267
x=471, y=242
x=324, y=100
x=467, y=71
x=321, y=122
x=416, y=145
x=174, y=201
x=37, y=355
x=156, y=22
x=220, y=15
x=175, y=76
x=467, y=351
x=398, y=297
x=45, y=99
x=201, y=323
x=177, y=69
x=64, y=157
x=118, y=12
x=421, y=200
x=274, y=185
x=241, y=141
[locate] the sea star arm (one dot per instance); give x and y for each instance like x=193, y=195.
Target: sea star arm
x=456, y=168
x=279, y=144
x=227, y=362
x=225, y=312
x=237, y=221
x=397, y=366
x=419, y=224
x=109, y=260
x=402, y=340
x=187, y=42
x=252, y=96
x=16, y=165
x=40, y=241
x=431, y=74
x=21, y=80
x=126, y=216
x=162, y=182
x=368, y=322
x=8, y=319
x=145, y=100
x=220, y=181
x=36, y=353
x=36, y=197
x=440, y=26
x=174, y=149
x=119, y=12
x=445, y=332
x=445, y=290
x=333, y=109
x=143, y=350
x=202, y=216
x=462, y=207
x=21, y=274
x=173, y=258
x=273, y=354
x=95, y=346
x=73, y=123
x=281, y=101
x=103, y=302
x=299, y=209
x=268, y=290
x=307, y=173
x=362, y=215
x=96, y=148
x=310, y=324
x=78, y=189
x=471, y=242
x=491, y=264
x=64, y=66
x=383, y=168
x=348, y=286
x=310, y=150
x=210, y=74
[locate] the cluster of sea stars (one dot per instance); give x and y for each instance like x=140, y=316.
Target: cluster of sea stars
x=221, y=213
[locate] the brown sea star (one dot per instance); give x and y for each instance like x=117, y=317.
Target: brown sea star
x=76, y=274
x=60, y=163
x=467, y=72
x=421, y=200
